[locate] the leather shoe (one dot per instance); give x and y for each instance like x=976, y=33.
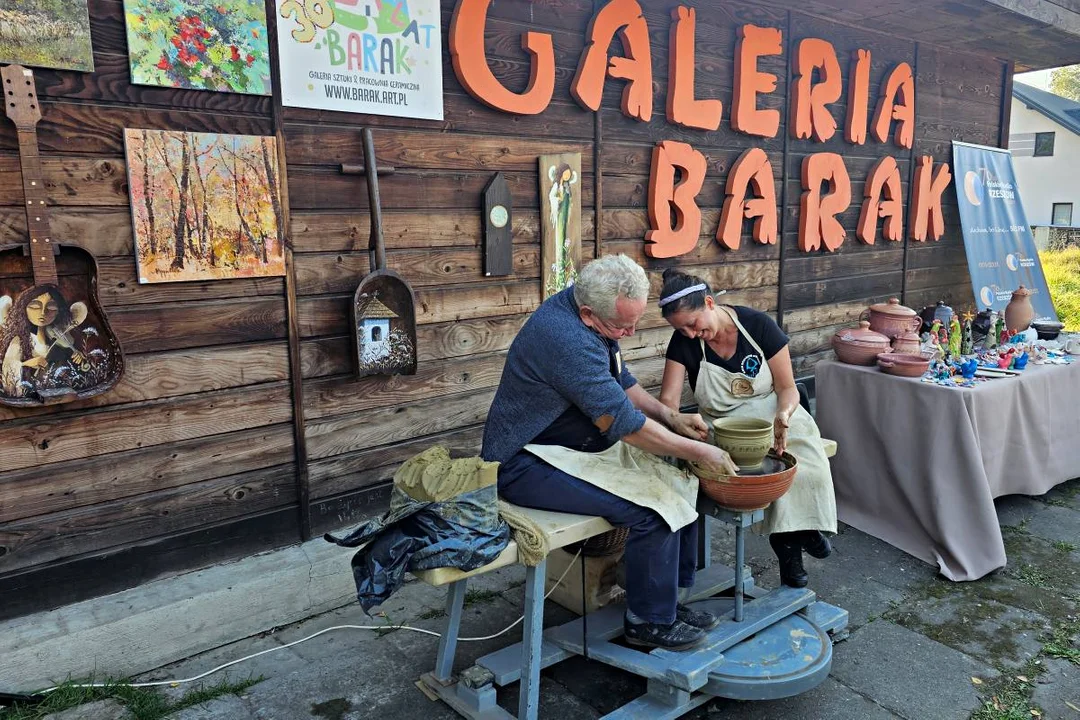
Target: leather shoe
x=676, y=636
x=702, y=619
x=788, y=549
x=816, y=544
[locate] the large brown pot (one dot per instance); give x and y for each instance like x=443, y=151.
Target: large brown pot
x=859, y=346
x=1019, y=312
x=891, y=318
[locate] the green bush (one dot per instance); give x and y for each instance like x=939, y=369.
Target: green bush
x=1062, y=270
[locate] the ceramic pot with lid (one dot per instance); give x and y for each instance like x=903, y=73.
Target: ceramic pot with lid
x=891, y=318
x=859, y=346
x=907, y=343
x=1019, y=312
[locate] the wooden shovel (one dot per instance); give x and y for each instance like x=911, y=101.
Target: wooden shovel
x=384, y=306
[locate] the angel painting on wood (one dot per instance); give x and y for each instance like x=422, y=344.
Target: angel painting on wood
x=561, y=220
x=42, y=341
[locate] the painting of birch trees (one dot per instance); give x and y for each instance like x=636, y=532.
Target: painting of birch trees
x=204, y=206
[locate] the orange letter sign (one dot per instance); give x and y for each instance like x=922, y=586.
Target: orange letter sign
x=665, y=196
x=470, y=63
x=897, y=103
x=858, y=104
x=809, y=111
x=624, y=17
x=751, y=169
x=754, y=42
x=926, y=197
x=817, y=220
x=883, y=180
x=682, y=108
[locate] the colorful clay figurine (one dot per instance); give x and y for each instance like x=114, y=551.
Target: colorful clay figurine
x=967, y=345
x=999, y=330
x=1021, y=361
x=954, y=337
x=968, y=368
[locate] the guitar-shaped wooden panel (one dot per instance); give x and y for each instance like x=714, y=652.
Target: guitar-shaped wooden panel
x=55, y=342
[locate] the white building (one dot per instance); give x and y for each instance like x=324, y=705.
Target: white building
x=374, y=331
x=1044, y=137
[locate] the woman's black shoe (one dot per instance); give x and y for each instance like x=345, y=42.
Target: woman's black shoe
x=676, y=636
x=815, y=543
x=788, y=549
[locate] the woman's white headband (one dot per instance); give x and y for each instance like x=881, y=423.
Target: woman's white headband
x=683, y=293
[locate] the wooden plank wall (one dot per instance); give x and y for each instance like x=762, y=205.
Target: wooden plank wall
x=192, y=460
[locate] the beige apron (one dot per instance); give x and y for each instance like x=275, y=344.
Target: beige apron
x=631, y=474
x=810, y=503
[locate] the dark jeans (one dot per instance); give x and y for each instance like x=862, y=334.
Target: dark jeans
x=658, y=561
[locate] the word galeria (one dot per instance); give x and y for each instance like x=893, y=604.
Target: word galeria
x=678, y=170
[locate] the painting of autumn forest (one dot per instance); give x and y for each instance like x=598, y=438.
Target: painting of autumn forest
x=204, y=206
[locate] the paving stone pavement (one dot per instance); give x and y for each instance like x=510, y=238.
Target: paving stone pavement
x=916, y=643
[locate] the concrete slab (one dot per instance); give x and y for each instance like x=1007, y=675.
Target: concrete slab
x=1067, y=494
x=829, y=701
x=167, y=620
x=230, y=707
x=100, y=710
x=908, y=673
x=1057, y=692
x=997, y=634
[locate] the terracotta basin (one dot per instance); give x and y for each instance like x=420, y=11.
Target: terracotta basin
x=904, y=365
x=746, y=440
x=750, y=490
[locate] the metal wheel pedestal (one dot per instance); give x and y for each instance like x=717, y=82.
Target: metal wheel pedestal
x=770, y=644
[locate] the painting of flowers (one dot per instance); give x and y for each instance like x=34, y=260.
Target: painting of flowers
x=199, y=44
x=204, y=206
x=46, y=34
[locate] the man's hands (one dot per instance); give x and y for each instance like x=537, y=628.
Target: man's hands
x=689, y=425
x=715, y=461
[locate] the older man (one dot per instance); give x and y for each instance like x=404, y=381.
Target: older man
x=574, y=432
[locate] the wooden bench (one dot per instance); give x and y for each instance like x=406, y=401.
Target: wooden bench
x=562, y=529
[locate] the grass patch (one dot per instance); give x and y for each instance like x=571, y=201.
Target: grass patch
x=431, y=614
x=472, y=597
x=1032, y=575
x=1063, y=546
x=1062, y=271
x=143, y=703
x=1063, y=643
x=1010, y=696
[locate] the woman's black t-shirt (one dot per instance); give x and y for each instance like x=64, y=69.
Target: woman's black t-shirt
x=766, y=333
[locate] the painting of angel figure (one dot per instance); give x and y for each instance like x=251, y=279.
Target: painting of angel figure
x=560, y=220
x=50, y=348
x=204, y=206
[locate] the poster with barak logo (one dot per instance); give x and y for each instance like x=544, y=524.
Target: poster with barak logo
x=381, y=57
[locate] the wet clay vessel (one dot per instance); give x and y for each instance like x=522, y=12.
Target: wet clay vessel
x=751, y=490
x=746, y=440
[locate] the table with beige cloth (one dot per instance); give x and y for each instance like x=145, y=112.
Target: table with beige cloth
x=920, y=464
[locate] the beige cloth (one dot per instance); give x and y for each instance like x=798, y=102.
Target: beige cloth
x=920, y=465
x=533, y=543
x=631, y=474
x=810, y=503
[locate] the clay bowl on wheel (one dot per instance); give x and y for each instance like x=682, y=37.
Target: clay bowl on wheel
x=904, y=365
x=750, y=490
x=746, y=440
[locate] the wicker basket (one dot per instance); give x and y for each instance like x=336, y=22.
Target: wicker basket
x=610, y=543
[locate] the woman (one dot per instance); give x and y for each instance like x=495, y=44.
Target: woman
x=34, y=340
x=738, y=364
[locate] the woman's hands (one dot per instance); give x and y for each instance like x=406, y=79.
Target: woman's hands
x=780, y=429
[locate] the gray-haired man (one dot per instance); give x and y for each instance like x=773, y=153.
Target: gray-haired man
x=565, y=385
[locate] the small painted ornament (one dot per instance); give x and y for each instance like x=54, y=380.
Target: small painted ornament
x=999, y=330
x=967, y=346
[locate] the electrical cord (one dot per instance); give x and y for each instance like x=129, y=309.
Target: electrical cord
x=219, y=668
